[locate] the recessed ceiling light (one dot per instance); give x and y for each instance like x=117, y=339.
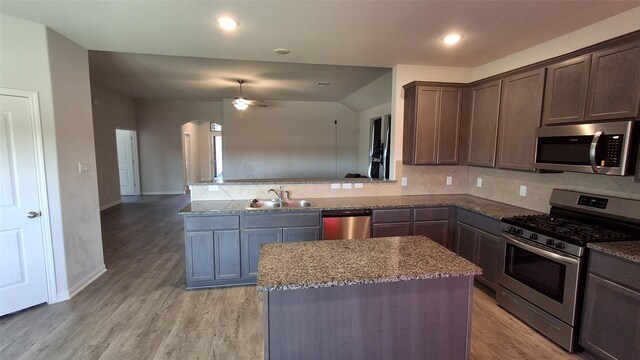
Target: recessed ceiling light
x=451, y=39
x=281, y=51
x=227, y=23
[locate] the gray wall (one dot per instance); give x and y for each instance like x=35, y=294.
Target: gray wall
x=160, y=140
x=290, y=139
x=114, y=111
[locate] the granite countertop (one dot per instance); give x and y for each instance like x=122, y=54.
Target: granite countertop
x=629, y=250
x=293, y=181
x=315, y=264
x=482, y=206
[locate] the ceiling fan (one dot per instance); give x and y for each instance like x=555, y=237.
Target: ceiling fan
x=242, y=103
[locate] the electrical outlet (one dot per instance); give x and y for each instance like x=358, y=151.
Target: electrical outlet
x=523, y=190
x=83, y=168
x=346, y=186
x=213, y=188
x=404, y=181
x=479, y=182
x=335, y=186
x=449, y=180
x=358, y=185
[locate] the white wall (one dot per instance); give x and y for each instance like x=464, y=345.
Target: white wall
x=160, y=140
x=114, y=111
x=364, y=124
x=204, y=151
x=35, y=58
x=374, y=94
x=290, y=139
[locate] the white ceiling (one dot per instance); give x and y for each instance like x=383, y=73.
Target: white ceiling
x=361, y=33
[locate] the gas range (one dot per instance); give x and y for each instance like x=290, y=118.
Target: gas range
x=543, y=258
x=563, y=234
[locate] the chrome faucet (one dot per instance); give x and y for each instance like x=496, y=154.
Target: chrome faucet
x=279, y=194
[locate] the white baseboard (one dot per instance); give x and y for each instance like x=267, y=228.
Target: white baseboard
x=163, y=193
x=61, y=296
x=104, y=207
x=86, y=281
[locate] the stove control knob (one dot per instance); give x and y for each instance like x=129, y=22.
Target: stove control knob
x=559, y=245
x=550, y=242
x=519, y=231
x=533, y=236
x=512, y=229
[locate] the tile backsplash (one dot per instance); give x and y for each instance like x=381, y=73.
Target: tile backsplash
x=498, y=185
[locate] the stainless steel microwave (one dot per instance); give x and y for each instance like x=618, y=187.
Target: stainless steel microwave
x=602, y=148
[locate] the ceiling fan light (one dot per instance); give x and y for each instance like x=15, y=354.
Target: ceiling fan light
x=241, y=103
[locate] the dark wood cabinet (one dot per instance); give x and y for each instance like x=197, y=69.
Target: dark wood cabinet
x=614, y=83
x=434, y=224
x=483, y=123
x=301, y=234
x=601, y=86
x=431, y=124
x=391, y=222
x=199, y=256
x=520, y=111
x=477, y=240
x=466, y=242
x=487, y=249
x=251, y=241
x=565, y=94
x=611, y=316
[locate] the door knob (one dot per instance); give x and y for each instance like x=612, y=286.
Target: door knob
x=32, y=214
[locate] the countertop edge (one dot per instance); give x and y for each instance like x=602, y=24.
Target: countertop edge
x=368, y=281
x=626, y=250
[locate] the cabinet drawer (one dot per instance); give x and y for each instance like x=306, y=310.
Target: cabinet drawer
x=281, y=220
x=211, y=222
x=427, y=214
x=390, y=216
x=618, y=270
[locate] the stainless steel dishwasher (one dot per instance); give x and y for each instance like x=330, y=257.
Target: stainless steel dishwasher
x=346, y=224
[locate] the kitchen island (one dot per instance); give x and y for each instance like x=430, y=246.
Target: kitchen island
x=385, y=298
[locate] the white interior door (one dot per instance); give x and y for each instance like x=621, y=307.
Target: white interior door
x=23, y=277
x=127, y=160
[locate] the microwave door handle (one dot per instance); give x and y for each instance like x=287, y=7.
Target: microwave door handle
x=592, y=150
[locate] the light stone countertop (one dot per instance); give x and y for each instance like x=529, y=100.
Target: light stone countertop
x=629, y=250
x=476, y=204
x=326, y=263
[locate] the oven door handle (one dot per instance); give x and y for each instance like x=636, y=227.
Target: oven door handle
x=592, y=150
x=544, y=253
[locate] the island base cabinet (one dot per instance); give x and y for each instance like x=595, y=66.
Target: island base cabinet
x=419, y=319
x=251, y=241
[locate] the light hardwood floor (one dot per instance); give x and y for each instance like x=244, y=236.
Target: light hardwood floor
x=140, y=309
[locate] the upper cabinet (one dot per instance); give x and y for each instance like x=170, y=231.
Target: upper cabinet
x=483, y=123
x=594, y=87
x=565, y=94
x=614, y=83
x=520, y=110
x=431, y=124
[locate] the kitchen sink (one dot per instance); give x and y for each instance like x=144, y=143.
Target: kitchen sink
x=275, y=204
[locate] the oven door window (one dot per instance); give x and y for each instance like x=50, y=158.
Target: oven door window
x=539, y=273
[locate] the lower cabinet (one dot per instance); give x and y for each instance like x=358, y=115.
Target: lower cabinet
x=434, y=224
x=391, y=222
x=476, y=240
x=212, y=250
x=251, y=241
x=611, y=316
x=223, y=250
